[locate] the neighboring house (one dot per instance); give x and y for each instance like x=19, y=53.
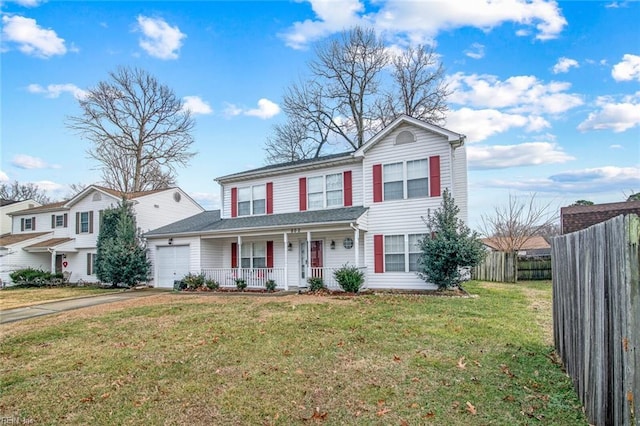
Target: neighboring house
x=533, y=246
x=575, y=218
x=292, y=221
x=8, y=206
x=62, y=236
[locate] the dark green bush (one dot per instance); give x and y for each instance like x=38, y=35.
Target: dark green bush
x=349, y=278
x=241, y=284
x=31, y=277
x=316, y=284
x=193, y=281
x=271, y=285
x=212, y=284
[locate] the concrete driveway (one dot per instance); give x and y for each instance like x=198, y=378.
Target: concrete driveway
x=18, y=314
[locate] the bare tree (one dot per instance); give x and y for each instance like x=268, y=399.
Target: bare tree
x=289, y=143
x=418, y=89
x=139, y=130
x=17, y=191
x=513, y=224
x=352, y=92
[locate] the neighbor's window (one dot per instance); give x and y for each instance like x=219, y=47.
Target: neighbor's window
x=59, y=221
x=84, y=222
x=28, y=224
x=394, y=253
x=393, y=181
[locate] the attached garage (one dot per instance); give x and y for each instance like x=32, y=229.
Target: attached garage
x=172, y=263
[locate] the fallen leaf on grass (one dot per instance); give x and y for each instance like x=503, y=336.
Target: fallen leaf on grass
x=396, y=358
x=429, y=415
x=317, y=415
x=87, y=399
x=471, y=409
x=461, y=364
x=414, y=405
x=105, y=395
x=383, y=412
x=506, y=371
x=509, y=398
x=455, y=405
x=404, y=422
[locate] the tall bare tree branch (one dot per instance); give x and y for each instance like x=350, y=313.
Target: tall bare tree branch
x=17, y=191
x=139, y=130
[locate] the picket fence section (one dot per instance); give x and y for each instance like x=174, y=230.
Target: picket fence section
x=596, y=317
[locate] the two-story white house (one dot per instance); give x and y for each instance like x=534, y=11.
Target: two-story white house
x=292, y=221
x=62, y=236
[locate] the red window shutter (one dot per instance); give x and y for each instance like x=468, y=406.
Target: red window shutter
x=303, y=194
x=234, y=255
x=378, y=254
x=234, y=202
x=434, y=176
x=377, y=183
x=33, y=223
x=348, y=189
x=269, y=254
x=91, y=222
x=269, y=197
x=53, y=221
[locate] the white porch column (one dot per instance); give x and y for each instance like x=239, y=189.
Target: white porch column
x=239, y=254
x=356, y=243
x=53, y=261
x=286, y=261
x=308, y=254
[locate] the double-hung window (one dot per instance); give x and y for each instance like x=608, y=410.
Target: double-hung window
x=84, y=222
x=253, y=255
x=414, y=250
x=251, y=200
x=393, y=181
x=325, y=191
x=417, y=178
x=59, y=221
x=394, y=253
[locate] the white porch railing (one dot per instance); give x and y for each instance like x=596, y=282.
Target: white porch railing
x=254, y=277
x=327, y=277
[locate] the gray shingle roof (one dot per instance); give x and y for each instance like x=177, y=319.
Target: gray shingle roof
x=210, y=222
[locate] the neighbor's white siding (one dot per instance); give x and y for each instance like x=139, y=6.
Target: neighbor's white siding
x=5, y=219
x=16, y=258
x=43, y=223
x=161, y=208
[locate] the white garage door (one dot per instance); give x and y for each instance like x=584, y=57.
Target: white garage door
x=172, y=263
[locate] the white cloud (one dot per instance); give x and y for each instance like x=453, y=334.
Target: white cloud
x=31, y=38
x=525, y=154
x=615, y=146
x=612, y=115
x=564, y=65
x=52, y=187
x=480, y=124
x=418, y=22
x=207, y=200
x=196, y=105
x=585, y=181
x=3, y=177
x=476, y=51
x=55, y=90
x=160, y=39
x=29, y=3
x=23, y=161
x=628, y=69
x=517, y=94
x=266, y=109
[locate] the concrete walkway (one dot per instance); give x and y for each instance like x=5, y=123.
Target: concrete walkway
x=18, y=314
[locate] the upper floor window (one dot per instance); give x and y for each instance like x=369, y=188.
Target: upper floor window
x=251, y=200
x=325, y=191
x=84, y=222
x=408, y=179
x=59, y=220
x=28, y=224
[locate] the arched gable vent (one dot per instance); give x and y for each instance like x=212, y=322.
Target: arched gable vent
x=405, y=136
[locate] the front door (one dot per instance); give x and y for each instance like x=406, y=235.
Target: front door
x=58, y=264
x=315, y=259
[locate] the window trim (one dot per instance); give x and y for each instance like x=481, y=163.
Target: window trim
x=82, y=231
x=28, y=224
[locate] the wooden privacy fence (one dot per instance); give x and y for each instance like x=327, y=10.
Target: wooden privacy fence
x=498, y=266
x=534, y=268
x=596, y=317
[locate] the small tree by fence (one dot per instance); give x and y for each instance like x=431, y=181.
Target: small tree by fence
x=596, y=317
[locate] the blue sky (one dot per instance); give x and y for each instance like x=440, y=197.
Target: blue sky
x=548, y=93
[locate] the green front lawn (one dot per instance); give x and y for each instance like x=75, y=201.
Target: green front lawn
x=388, y=360
x=18, y=297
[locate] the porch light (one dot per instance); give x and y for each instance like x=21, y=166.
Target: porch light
x=289, y=247
x=333, y=245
